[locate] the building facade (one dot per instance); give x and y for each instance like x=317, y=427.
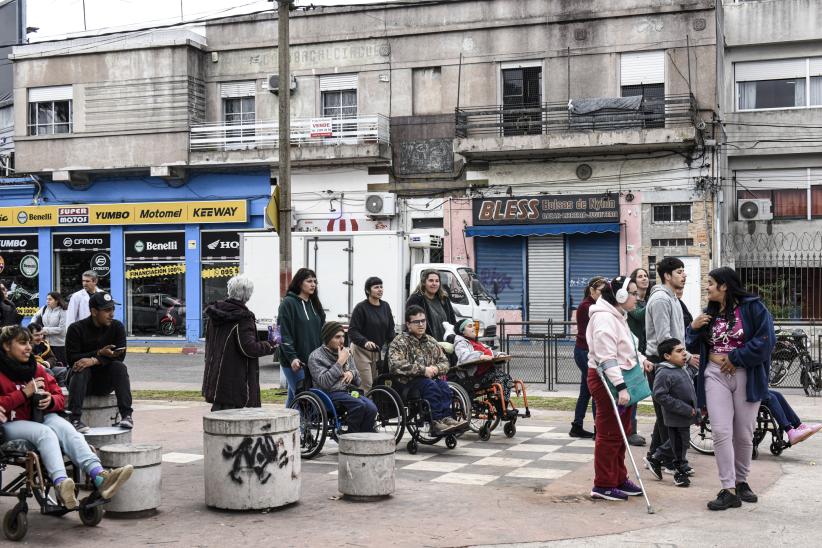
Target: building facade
x=544, y=143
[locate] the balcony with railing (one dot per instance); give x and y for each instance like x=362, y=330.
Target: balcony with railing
x=356, y=138
x=580, y=125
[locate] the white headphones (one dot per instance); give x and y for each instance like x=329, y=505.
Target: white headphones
x=621, y=294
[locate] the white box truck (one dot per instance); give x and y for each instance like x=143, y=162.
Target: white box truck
x=344, y=260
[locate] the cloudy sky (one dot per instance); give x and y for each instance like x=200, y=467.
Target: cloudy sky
x=57, y=18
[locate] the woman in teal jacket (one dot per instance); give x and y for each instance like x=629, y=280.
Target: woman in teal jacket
x=300, y=318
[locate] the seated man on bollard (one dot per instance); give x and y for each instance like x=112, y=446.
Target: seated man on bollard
x=416, y=360
x=333, y=370
x=95, y=348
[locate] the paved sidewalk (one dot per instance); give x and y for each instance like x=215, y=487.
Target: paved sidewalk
x=534, y=495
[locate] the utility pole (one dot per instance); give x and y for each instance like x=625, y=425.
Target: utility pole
x=284, y=178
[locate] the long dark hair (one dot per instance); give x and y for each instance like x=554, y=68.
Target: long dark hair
x=296, y=287
x=59, y=298
x=735, y=294
x=650, y=281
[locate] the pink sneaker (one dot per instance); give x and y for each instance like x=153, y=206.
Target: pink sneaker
x=798, y=434
x=814, y=428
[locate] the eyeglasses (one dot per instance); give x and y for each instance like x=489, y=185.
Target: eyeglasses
x=417, y=322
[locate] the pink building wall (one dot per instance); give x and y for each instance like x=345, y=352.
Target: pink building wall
x=630, y=239
x=458, y=248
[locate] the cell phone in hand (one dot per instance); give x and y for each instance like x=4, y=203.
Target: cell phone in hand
x=121, y=349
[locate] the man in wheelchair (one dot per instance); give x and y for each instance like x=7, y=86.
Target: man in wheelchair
x=333, y=371
x=30, y=401
x=416, y=361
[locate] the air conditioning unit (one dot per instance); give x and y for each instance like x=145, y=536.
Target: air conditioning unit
x=755, y=210
x=274, y=84
x=381, y=204
x=425, y=241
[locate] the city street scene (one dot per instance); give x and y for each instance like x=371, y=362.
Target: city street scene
x=440, y=273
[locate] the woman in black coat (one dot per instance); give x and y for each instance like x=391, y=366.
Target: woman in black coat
x=231, y=379
x=432, y=298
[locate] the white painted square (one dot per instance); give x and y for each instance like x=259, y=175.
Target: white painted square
x=534, y=448
x=437, y=466
x=568, y=457
x=537, y=473
x=334, y=473
x=414, y=458
x=465, y=479
x=581, y=443
x=181, y=458
x=472, y=452
x=554, y=436
x=502, y=461
x=526, y=428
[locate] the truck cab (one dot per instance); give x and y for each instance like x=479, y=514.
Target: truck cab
x=469, y=297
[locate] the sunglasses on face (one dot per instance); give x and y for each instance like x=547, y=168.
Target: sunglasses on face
x=417, y=322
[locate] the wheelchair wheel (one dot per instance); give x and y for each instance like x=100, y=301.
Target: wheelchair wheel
x=390, y=411
x=701, y=439
x=90, y=516
x=450, y=441
x=313, y=420
x=484, y=433
x=776, y=448
x=510, y=429
x=412, y=447
x=15, y=523
x=462, y=409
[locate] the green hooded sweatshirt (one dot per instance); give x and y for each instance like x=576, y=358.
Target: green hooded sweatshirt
x=300, y=327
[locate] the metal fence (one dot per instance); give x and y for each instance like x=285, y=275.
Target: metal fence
x=543, y=352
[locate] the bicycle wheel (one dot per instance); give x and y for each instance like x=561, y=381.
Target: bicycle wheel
x=781, y=363
x=811, y=378
x=701, y=439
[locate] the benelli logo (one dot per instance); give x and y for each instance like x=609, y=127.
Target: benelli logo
x=112, y=215
x=24, y=217
x=214, y=211
x=13, y=243
x=161, y=213
x=140, y=246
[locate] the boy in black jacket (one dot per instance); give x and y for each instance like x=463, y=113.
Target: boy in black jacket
x=674, y=390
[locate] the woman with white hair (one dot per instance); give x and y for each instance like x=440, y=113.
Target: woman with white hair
x=231, y=379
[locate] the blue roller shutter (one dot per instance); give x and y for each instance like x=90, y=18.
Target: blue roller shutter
x=589, y=255
x=502, y=260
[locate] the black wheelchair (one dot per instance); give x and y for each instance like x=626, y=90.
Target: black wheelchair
x=321, y=418
x=702, y=439
x=32, y=482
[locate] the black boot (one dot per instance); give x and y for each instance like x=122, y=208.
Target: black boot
x=724, y=500
x=743, y=491
x=577, y=431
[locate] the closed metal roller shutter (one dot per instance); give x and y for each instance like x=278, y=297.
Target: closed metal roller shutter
x=770, y=70
x=53, y=93
x=502, y=260
x=590, y=255
x=238, y=89
x=642, y=67
x=546, y=279
x=338, y=81
x=767, y=179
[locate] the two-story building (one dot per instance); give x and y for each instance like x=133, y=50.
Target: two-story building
x=545, y=142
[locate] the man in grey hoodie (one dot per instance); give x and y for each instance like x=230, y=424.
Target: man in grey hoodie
x=663, y=320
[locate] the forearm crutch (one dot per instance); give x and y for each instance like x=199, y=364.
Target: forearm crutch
x=625, y=439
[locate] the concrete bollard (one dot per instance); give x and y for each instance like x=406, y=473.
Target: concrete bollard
x=140, y=496
x=108, y=435
x=252, y=458
x=100, y=410
x=366, y=466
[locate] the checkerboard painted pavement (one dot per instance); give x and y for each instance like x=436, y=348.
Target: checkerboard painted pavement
x=538, y=454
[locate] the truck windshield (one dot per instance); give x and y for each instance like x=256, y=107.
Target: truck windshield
x=469, y=277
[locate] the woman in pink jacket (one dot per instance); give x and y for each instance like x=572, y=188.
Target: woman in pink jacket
x=611, y=344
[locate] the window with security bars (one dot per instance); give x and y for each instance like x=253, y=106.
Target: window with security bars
x=672, y=213
x=669, y=242
x=50, y=117
x=522, y=101
x=653, y=102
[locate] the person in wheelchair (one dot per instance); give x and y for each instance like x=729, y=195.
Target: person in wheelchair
x=416, y=361
x=333, y=371
x=787, y=419
x=468, y=349
x=30, y=401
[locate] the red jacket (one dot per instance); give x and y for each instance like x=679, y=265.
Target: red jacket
x=18, y=406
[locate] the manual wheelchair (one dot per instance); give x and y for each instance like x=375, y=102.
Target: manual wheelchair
x=702, y=439
x=321, y=418
x=33, y=482
x=487, y=404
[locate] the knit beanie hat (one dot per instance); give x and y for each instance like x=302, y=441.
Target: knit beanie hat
x=371, y=282
x=461, y=325
x=329, y=330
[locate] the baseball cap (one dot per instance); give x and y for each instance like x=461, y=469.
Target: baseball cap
x=101, y=301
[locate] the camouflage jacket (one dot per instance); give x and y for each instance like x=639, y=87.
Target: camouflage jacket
x=408, y=356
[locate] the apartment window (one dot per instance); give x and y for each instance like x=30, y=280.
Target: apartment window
x=6, y=117
x=643, y=73
x=50, y=110
x=787, y=203
x=339, y=95
x=522, y=93
x=239, y=109
x=672, y=213
x=780, y=83
x=667, y=242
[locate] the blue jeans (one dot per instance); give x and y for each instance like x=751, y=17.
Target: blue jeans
x=360, y=412
x=54, y=434
x=438, y=395
x=292, y=379
x=581, y=359
x=781, y=410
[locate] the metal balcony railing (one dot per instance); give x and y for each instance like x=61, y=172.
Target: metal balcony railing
x=545, y=118
x=304, y=132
